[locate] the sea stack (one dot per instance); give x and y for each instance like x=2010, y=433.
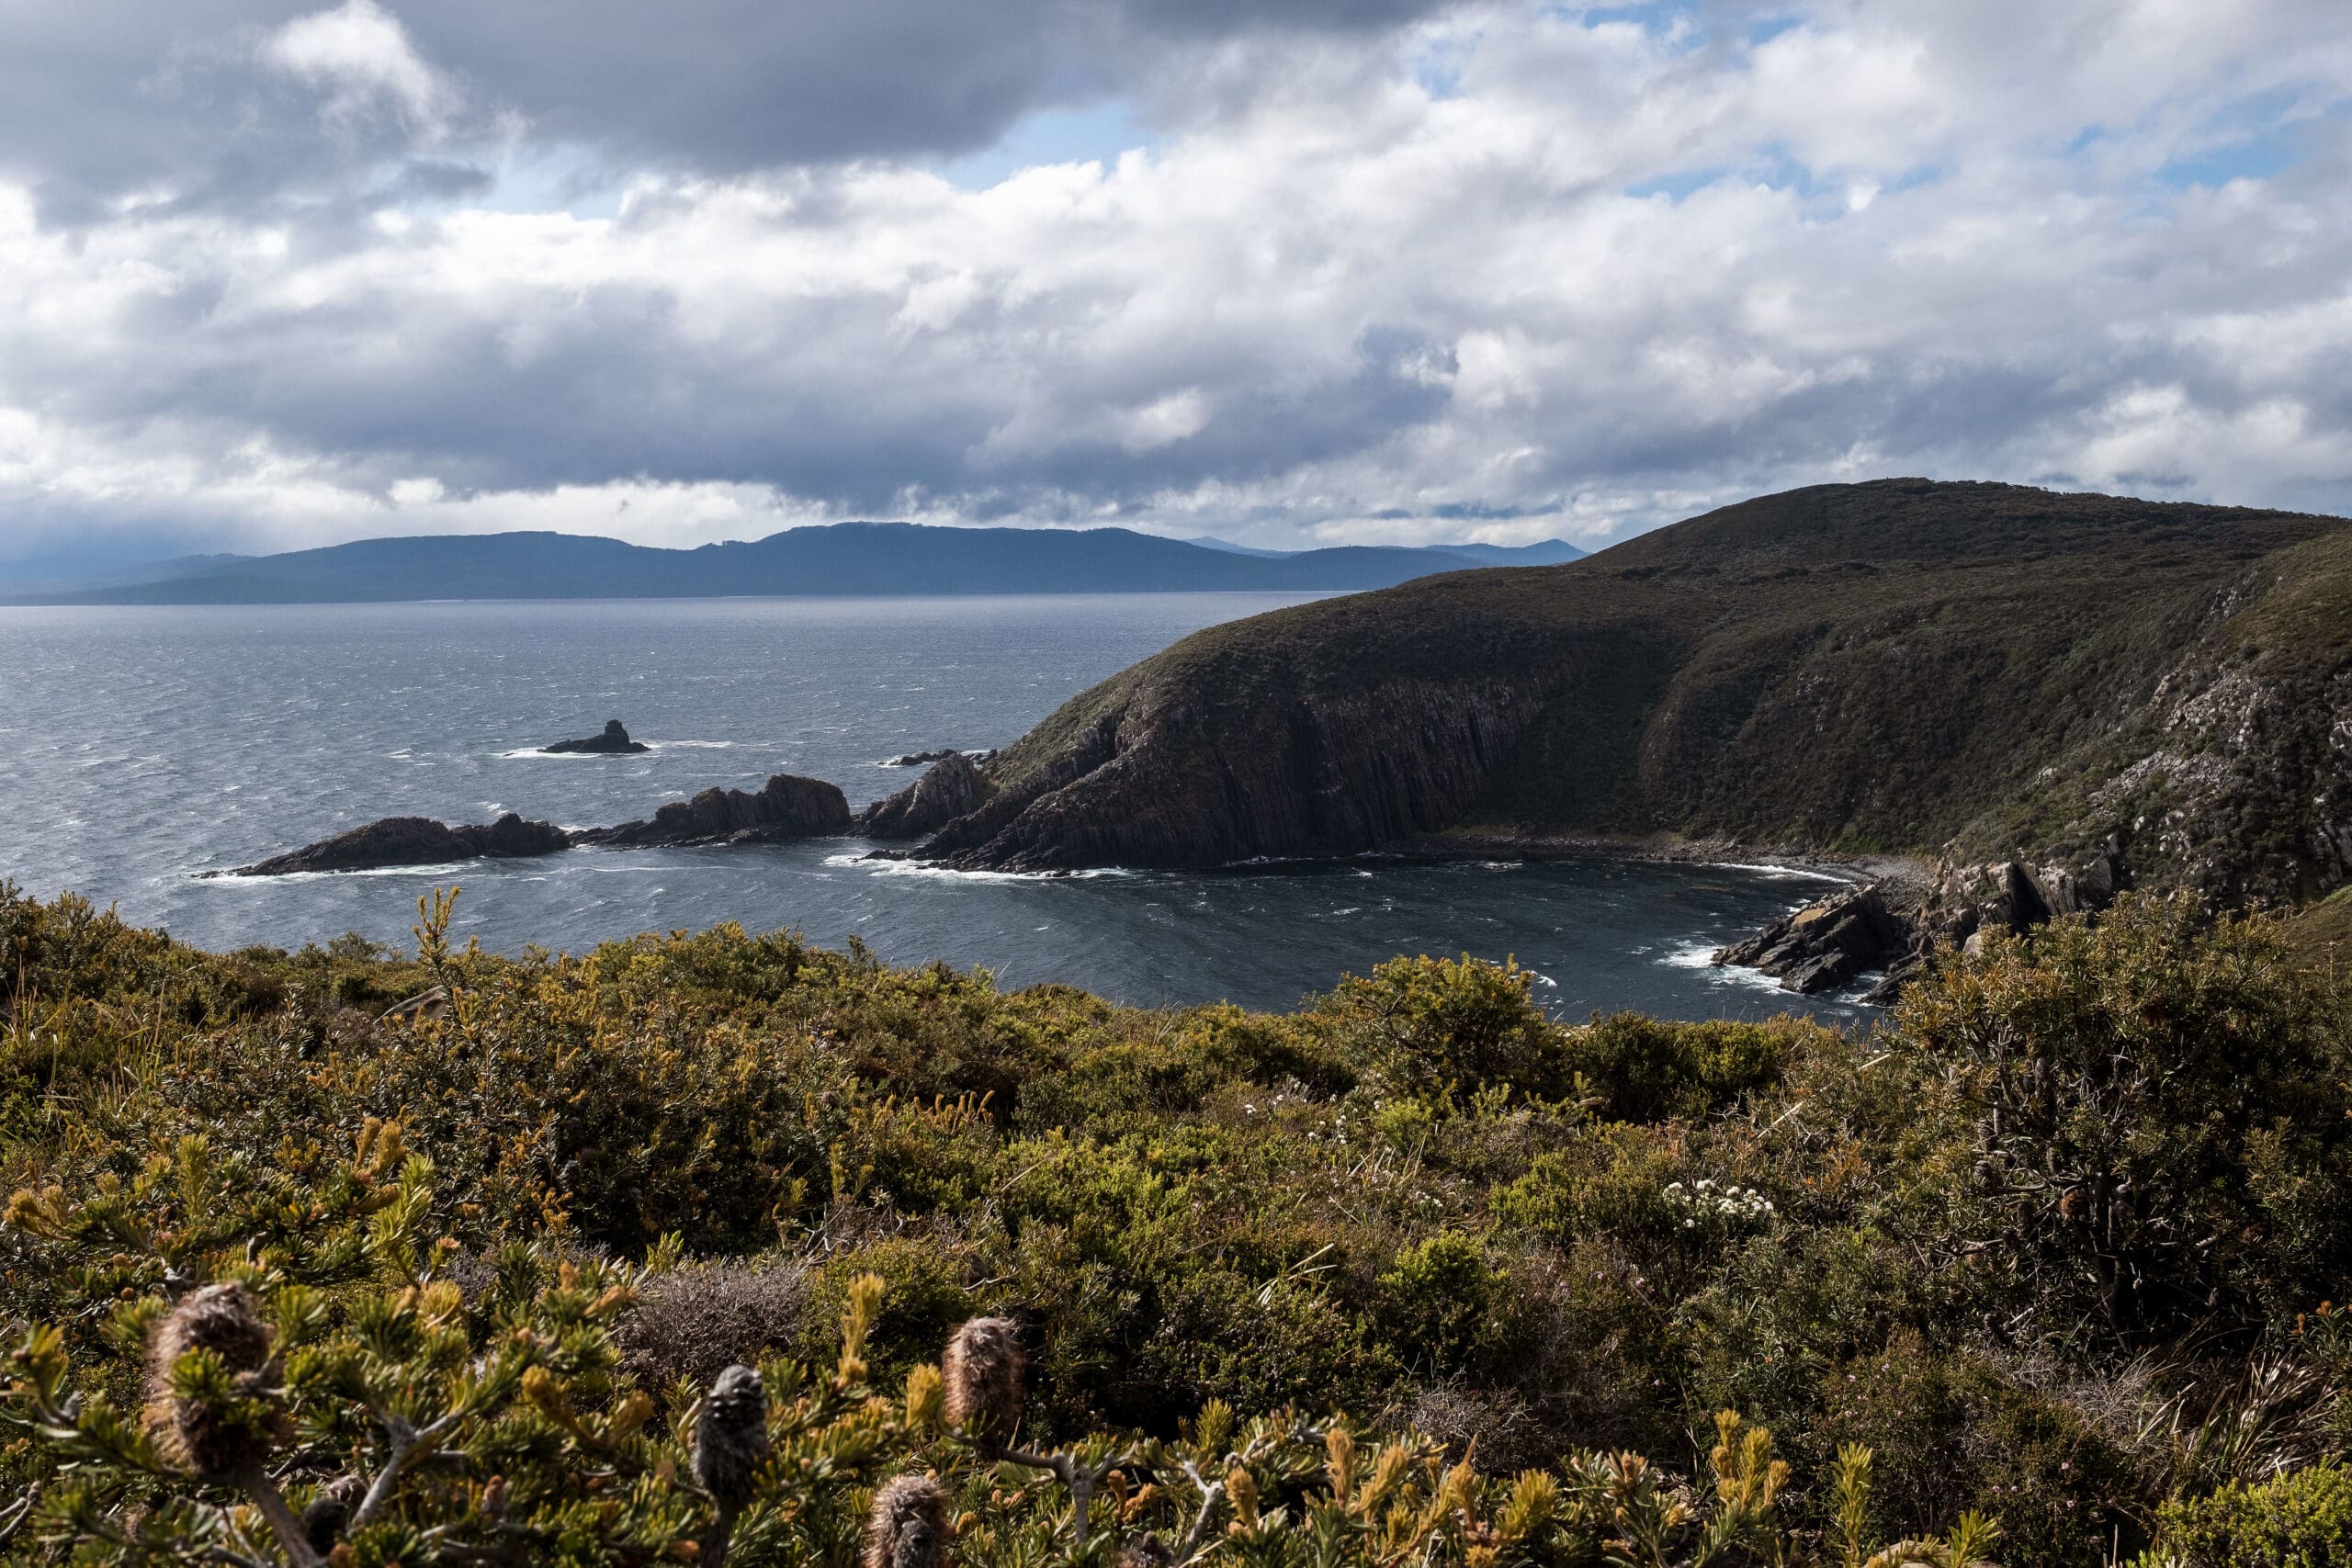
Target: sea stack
x=615, y=741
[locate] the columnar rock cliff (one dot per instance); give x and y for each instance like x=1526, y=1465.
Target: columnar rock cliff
x=949, y=788
x=1988, y=672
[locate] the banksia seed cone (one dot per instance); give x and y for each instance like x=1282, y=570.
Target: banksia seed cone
x=731, y=1436
x=983, y=1369
x=323, y=1520
x=908, y=1527
x=226, y=1321
x=1149, y=1552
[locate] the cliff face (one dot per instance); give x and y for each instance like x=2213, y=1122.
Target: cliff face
x=949, y=788
x=1984, y=671
x=1151, y=783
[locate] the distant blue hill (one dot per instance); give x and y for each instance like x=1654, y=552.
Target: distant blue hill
x=1544, y=552
x=863, y=558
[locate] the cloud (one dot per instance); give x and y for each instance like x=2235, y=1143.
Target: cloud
x=1383, y=271
x=360, y=55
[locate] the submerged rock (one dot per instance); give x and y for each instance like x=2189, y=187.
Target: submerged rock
x=789, y=807
x=613, y=742
x=415, y=840
x=949, y=789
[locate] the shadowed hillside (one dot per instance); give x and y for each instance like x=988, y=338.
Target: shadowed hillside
x=1893, y=666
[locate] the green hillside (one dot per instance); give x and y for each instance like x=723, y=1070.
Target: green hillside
x=1897, y=666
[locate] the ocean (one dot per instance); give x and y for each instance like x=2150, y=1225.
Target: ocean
x=141, y=747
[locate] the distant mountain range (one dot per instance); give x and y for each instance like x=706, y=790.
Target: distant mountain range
x=877, y=558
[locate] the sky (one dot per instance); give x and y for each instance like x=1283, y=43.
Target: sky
x=1293, y=273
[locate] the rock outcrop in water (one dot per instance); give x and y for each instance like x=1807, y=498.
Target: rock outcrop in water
x=1897, y=929
x=787, y=807
x=615, y=741
x=950, y=788
x=415, y=840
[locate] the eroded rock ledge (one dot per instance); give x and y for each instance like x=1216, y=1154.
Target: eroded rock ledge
x=1897, y=930
x=787, y=807
x=415, y=840
x=949, y=789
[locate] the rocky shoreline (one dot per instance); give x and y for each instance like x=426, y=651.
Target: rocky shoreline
x=1890, y=916
x=1897, y=929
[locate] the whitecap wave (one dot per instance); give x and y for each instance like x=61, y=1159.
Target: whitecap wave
x=1700, y=958
x=238, y=879
x=1780, y=872
x=951, y=873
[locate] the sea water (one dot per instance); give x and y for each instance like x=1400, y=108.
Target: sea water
x=142, y=748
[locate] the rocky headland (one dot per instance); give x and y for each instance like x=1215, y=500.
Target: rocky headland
x=2091, y=689
x=613, y=741
x=787, y=807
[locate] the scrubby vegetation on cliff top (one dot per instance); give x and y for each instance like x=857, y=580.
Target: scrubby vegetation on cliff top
x=1896, y=666
x=2060, y=1246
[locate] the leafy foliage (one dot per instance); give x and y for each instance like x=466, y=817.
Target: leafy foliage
x=507, y=1225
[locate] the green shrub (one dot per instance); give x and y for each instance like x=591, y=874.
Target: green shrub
x=1648, y=1070
x=2302, y=1521
x=2156, y=1118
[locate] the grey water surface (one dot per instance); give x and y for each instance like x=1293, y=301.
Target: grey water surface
x=142, y=747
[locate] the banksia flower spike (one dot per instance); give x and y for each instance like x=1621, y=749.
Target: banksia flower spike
x=908, y=1527
x=196, y=1431
x=984, y=1370
x=731, y=1436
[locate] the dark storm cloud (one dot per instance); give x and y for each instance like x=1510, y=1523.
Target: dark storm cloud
x=96, y=101
x=279, y=272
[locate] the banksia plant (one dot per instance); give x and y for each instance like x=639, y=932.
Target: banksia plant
x=731, y=1438
x=323, y=1520
x=926, y=1399
x=907, y=1525
x=983, y=1369
x=203, y=1410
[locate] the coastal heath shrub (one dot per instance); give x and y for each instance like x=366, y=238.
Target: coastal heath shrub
x=324, y=1391
x=2158, y=1118
x=1434, y=1302
x=1425, y=1024
x=1649, y=1069
x=2303, y=1520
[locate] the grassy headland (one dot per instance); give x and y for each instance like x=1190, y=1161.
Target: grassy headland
x=2060, y=1244
x=1898, y=667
